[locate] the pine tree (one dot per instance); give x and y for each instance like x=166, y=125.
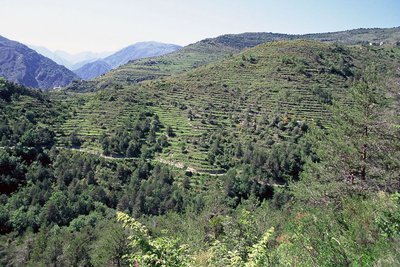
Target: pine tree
x=361, y=145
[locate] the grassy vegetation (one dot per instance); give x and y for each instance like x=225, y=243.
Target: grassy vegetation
x=288, y=79
x=291, y=79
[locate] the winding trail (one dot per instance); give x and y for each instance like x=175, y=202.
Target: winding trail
x=95, y=153
x=178, y=165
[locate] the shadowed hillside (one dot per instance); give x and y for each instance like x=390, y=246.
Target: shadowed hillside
x=20, y=64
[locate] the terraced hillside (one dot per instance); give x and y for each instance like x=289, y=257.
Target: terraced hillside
x=291, y=80
x=92, y=114
x=28, y=117
x=214, y=49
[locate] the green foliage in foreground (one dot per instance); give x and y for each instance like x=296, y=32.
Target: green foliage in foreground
x=354, y=234
x=147, y=251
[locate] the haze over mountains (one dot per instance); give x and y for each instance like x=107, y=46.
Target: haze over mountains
x=88, y=65
x=132, y=52
x=71, y=61
x=20, y=64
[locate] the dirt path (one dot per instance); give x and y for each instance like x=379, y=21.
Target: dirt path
x=96, y=153
x=180, y=165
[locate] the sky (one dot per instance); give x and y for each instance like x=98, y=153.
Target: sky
x=108, y=25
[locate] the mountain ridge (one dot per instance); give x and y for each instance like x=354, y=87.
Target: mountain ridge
x=23, y=65
x=135, y=51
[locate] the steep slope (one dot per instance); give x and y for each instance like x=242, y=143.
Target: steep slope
x=93, y=69
x=135, y=51
x=83, y=63
x=20, y=64
x=27, y=115
x=213, y=49
x=295, y=79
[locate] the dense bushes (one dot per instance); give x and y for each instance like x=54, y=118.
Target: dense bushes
x=9, y=90
x=135, y=138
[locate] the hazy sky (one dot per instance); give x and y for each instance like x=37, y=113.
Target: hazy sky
x=107, y=25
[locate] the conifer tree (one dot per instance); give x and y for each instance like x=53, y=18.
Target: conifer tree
x=360, y=147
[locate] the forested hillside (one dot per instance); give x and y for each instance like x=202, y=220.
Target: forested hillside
x=284, y=154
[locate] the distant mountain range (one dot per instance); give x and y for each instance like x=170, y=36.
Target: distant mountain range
x=71, y=61
x=136, y=51
x=23, y=65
